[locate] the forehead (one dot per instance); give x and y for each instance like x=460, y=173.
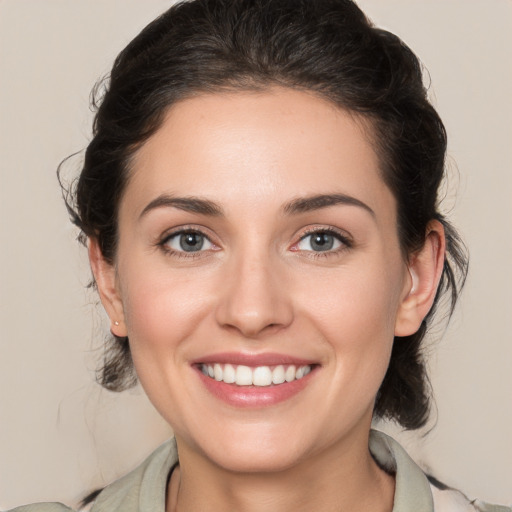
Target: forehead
x=258, y=146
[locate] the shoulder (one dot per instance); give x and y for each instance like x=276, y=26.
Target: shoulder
x=414, y=489
x=141, y=489
x=42, y=507
x=447, y=499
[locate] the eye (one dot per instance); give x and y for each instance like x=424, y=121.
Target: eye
x=321, y=241
x=188, y=241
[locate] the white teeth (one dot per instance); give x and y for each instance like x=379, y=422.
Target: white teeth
x=262, y=376
x=229, y=374
x=259, y=376
x=278, y=375
x=290, y=373
x=243, y=376
x=217, y=372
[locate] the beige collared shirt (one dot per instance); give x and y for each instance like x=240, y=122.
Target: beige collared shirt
x=144, y=489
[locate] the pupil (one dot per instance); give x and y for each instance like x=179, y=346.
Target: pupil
x=322, y=242
x=191, y=242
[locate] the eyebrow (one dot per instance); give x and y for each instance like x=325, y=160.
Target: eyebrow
x=319, y=201
x=188, y=204
x=295, y=206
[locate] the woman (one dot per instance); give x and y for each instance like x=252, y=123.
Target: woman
x=260, y=206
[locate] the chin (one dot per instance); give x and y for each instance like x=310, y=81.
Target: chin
x=255, y=449
x=256, y=460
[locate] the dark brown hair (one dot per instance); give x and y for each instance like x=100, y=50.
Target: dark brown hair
x=327, y=47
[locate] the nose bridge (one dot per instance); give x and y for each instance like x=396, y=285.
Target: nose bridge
x=253, y=296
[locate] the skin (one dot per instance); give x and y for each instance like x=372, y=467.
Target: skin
x=259, y=287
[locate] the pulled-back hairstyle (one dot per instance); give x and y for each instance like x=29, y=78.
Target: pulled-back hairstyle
x=327, y=47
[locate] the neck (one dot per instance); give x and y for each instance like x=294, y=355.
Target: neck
x=340, y=479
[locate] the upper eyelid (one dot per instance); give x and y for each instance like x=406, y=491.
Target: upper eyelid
x=163, y=241
x=342, y=234
x=183, y=229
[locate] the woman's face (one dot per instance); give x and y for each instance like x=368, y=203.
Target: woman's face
x=257, y=242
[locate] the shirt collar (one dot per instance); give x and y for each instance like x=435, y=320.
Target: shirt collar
x=145, y=487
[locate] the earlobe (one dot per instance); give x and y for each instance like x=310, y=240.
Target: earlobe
x=106, y=282
x=425, y=269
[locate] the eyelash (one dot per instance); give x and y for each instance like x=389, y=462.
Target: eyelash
x=183, y=254
x=345, y=240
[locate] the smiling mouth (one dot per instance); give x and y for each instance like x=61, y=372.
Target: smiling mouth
x=263, y=376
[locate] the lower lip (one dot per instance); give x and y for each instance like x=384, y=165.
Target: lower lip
x=255, y=396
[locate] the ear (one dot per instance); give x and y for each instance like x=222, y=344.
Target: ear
x=425, y=270
x=106, y=281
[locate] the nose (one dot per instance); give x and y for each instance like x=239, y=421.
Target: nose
x=253, y=298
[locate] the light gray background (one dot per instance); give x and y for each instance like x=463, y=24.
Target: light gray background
x=60, y=435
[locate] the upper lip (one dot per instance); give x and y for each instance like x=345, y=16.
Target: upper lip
x=263, y=359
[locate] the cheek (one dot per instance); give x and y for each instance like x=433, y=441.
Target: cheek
x=354, y=311
x=161, y=310
x=351, y=303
